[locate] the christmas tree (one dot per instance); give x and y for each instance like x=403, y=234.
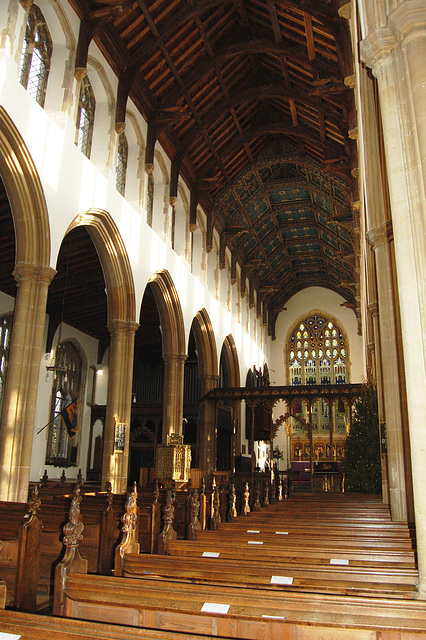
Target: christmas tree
x=362, y=459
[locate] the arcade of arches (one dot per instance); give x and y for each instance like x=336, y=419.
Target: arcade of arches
x=213, y=250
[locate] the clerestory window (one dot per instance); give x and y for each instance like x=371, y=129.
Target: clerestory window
x=121, y=163
x=85, y=117
x=36, y=53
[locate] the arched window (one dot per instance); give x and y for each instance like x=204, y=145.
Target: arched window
x=35, y=55
x=85, y=117
x=317, y=352
x=5, y=331
x=121, y=163
x=61, y=446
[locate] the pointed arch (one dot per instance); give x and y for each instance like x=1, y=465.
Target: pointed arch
x=114, y=260
x=206, y=345
x=26, y=197
x=229, y=361
x=170, y=312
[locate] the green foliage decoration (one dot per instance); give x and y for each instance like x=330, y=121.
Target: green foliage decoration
x=362, y=459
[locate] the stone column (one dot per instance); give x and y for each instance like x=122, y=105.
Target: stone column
x=207, y=424
x=391, y=383
x=397, y=54
x=119, y=399
x=173, y=393
x=19, y=402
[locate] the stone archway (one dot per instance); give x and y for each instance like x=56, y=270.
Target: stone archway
x=33, y=275
x=209, y=377
x=173, y=346
x=122, y=327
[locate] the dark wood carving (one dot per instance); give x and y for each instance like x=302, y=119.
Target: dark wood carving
x=72, y=561
x=106, y=535
x=215, y=519
x=28, y=561
x=129, y=542
x=246, y=503
x=232, y=512
x=168, y=532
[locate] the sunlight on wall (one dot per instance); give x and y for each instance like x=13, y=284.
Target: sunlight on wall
x=130, y=229
x=52, y=160
x=199, y=294
x=36, y=133
x=158, y=253
x=86, y=187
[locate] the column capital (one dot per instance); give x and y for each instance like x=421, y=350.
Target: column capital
x=122, y=326
x=407, y=18
x=149, y=167
x=377, y=47
x=373, y=309
x=27, y=271
x=376, y=236
x=345, y=11
x=169, y=357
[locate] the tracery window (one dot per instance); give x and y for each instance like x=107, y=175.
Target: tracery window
x=61, y=445
x=317, y=353
x=5, y=333
x=121, y=163
x=35, y=55
x=85, y=117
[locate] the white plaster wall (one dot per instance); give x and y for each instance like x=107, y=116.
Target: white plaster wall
x=89, y=346
x=329, y=302
x=7, y=303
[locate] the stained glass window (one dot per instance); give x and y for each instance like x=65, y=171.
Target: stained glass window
x=36, y=53
x=61, y=449
x=317, y=351
x=85, y=117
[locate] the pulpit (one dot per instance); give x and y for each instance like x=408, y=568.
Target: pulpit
x=173, y=460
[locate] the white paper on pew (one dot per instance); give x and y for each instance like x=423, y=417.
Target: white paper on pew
x=210, y=554
x=254, y=542
x=281, y=580
x=253, y=531
x=274, y=617
x=214, y=607
x=281, y=533
x=339, y=561
x=8, y=636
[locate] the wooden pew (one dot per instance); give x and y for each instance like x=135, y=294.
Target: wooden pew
x=370, y=581
x=20, y=535
x=265, y=614
x=36, y=627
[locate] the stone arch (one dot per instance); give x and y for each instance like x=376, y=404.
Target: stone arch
x=114, y=260
x=26, y=197
x=206, y=346
x=230, y=361
x=170, y=312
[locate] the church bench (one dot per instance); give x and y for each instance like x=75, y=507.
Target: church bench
x=20, y=535
x=29, y=626
x=268, y=615
x=282, y=553
x=342, y=580
x=321, y=541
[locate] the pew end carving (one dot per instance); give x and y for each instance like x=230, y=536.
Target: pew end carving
x=73, y=561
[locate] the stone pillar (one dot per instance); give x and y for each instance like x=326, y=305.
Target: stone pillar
x=206, y=426
x=119, y=399
x=396, y=52
x=391, y=382
x=173, y=393
x=19, y=402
